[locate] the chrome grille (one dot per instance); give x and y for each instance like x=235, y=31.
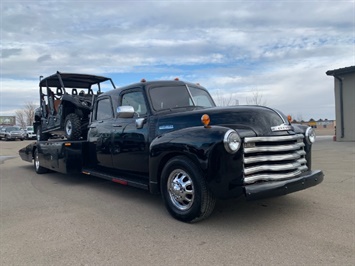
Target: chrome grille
x=273, y=158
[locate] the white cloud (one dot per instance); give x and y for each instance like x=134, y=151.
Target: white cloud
x=279, y=48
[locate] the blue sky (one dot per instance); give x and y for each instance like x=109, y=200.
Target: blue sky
x=280, y=49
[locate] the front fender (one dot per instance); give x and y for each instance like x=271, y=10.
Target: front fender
x=197, y=143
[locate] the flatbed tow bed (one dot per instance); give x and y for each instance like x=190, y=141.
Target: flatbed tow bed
x=71, y=157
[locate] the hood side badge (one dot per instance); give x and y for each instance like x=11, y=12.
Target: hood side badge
x=282, y=127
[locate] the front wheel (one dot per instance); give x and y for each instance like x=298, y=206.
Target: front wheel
x=39, y=169
x=185, y=192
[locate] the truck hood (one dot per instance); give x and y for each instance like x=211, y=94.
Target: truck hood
x=247, y=120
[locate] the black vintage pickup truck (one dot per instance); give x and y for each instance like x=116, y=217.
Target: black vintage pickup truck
x=168, y=137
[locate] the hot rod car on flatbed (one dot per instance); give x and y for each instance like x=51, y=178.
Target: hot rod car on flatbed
x=168, y=137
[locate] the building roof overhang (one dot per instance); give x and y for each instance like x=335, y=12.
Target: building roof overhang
x=341, y=71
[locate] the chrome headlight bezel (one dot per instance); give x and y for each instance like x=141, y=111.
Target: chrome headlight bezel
x=310, y=135
x=232, y=141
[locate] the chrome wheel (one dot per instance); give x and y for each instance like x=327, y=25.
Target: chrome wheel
x=38, y=168
x=181, y=189
x=68, y=128
x=184, y=190
x=36, y=161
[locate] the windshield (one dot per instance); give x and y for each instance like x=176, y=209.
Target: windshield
x=170, y=97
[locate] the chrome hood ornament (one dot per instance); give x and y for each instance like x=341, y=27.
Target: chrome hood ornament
x=281, y=127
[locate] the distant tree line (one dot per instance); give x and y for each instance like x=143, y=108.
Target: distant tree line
x=256, y=98
x=26, y=116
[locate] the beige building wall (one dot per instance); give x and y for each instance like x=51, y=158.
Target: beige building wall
x=348, y=119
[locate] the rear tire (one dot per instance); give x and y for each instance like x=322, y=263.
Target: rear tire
x=39, y=169
x=72, y=127
x=41, y=136
x=185, y=192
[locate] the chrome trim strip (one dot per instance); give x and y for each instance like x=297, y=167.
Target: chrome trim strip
x=278, y=138
x=303, y=168
x=254, y=178
x=275, y=148
x=302, y=161
x=292, y=156
x=268, y=167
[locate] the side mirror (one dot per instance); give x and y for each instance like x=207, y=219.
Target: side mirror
x=125, y=111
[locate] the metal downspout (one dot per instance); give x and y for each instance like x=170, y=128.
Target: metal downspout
x=341, y=106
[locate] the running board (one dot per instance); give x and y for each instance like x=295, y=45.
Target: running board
x=123, y=180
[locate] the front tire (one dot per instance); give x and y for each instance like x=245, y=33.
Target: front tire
x=39, y=169
x=72, y=127
x=185, y=192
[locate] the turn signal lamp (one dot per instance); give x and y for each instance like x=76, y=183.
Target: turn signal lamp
x=289, y=118
x=205, y=119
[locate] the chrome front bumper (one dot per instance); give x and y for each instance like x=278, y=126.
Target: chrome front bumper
x=283, y=187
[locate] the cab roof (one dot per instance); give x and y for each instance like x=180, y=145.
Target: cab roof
x=154, y=83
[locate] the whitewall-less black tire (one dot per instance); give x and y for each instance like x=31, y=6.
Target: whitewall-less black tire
x=38, y=168
x=72, y=127
x=185, y=192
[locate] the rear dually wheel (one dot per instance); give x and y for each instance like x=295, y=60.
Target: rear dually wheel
x=36, y=163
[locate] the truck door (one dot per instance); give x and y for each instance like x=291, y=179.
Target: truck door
x=100, y=131
x=130, y=150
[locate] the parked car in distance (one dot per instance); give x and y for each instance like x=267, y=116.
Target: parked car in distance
x=12, y=133
x=30, y=133
x=2, y=132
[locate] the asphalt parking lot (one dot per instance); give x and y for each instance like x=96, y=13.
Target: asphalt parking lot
x=55, y=219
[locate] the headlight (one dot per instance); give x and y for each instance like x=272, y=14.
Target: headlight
x=310, y=135
x=231, y=141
